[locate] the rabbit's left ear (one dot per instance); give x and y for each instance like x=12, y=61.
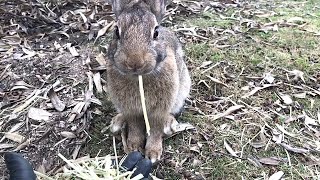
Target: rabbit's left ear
x=157, y=7
x=118, y=6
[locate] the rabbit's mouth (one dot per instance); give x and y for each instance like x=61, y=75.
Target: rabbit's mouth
x=124, y=70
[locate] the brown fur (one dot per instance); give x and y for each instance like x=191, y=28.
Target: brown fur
x=165, y=76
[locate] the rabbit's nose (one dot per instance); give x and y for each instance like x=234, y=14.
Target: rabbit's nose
x=135, y=65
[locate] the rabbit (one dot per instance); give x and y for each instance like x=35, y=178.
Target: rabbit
x=140, y=46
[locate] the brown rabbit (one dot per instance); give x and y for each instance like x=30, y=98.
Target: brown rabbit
x=140, y=46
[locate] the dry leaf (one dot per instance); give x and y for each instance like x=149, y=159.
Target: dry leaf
x=308, y=120
x=56, y=102
x=293, y=149
x=97, y=82
x=281, y=128
x=296, y=20
x=216, y=81
x=102, y=31
x=14, y=137
x=72, y=50
x=205, y=64
x=228, y=111
x=34, y=96
x=101, y=60
x=269, y=78
x=179, y=127
x=256, y=89
x=258, y=144
x=76, y=110
x=297, y=74
x=285, y=98
x=6, y=146
x=276, y=176
x=28, y=53
x=270, y=161
x=300, y=95
x=67, y=134
x=39, y=114
x=229, y=149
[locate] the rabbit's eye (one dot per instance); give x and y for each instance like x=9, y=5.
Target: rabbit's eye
x=156, y=32
x=117, y=32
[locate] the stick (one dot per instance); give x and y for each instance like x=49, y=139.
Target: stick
x=143, y=102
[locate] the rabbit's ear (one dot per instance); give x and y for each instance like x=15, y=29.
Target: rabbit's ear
x=157, y=7
x=118, y=6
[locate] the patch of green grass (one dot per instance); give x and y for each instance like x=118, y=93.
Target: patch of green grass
x=201, y=52
x=207, y=19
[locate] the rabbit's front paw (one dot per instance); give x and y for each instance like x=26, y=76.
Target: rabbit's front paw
x=154, y=148
x=135, y=138
x=170, y=125
x=117, y=123
x=134, y=143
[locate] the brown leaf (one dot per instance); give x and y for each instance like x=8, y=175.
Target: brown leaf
x=294, y=149
x=56, y=102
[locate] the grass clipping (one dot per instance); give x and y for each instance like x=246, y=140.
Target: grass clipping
x=143, y=103
x=86, y=168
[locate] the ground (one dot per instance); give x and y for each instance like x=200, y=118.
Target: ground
x=255, y=97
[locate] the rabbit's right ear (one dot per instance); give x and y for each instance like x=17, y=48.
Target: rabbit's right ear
x=158, y=8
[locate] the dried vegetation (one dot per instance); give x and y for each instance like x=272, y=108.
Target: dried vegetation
x=255, y=98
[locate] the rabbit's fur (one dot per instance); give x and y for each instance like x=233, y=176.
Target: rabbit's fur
x=136, y=50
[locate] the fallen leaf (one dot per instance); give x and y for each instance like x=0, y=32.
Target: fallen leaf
x=39, y=114
x=217, y=81
x=276, y=176
x=56, y=102
x=297, y=74
x=179, y=127
x=228, y=111
x=258, y=144
x=229, y=149
x=308, y=120
x=97, y=82
x=300, y=95
x=72, y=50
x=294, y=149
x=270, y=161
x=28, y=53
x=23, y=145
x=6, y=146
x=269, y=78
x=67, y=134
x=281, y=128
x=285, y=98
x=101, y=60
x=76, y=110
x=14, y=137
x=195, y=149
x=32, y=97
x=296, y=20
x=205, y=64
x=256, y=89
x=102, y=31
